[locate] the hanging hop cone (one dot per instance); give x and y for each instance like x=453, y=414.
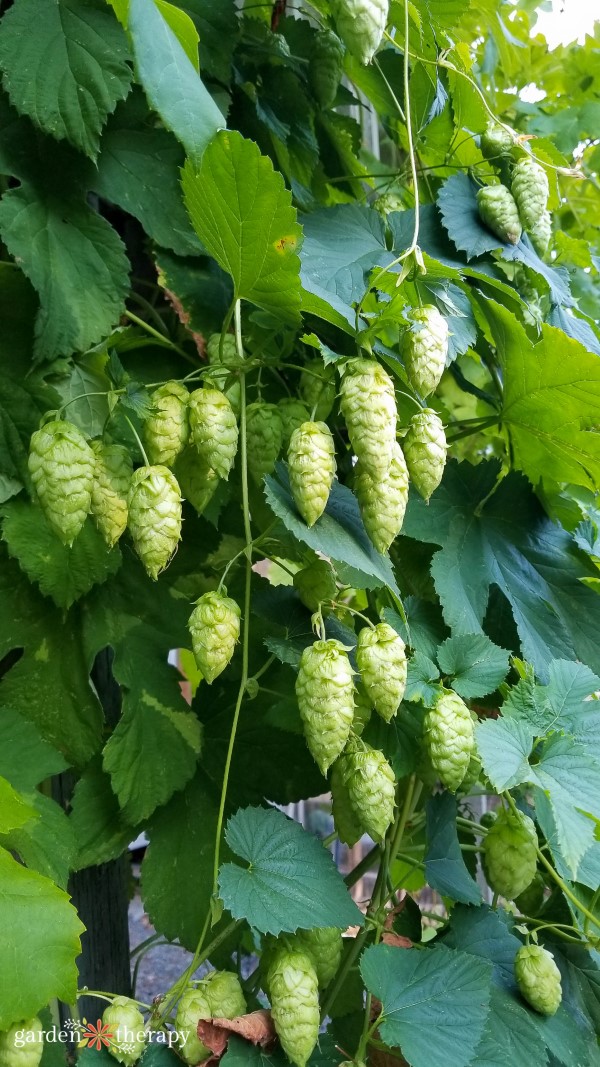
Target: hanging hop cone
x=311, y=460
x=324, y=946
x=360, y=24
x=214, y=429
x=500, y=213
x=264, y=437
x=215, y=628
x=326, y=67
x=113, y=472
x=325, y=692
x=293, y=413
x=362, y=709
x=347, y=824
x=530, y=190
x=294, y=994
x=62, y=465
x=167, y=429
x=224, y=994
x=154, y=520
x=510, y=853
x=223, y=367
x=126, y=1024
x=192, y=1007
x=371, y=788
x=383, y=500
x=317, y=389
x=368, y=405
x=496, y=142
x=538, y=978
x=541, y=233
x=426, y=349
x=381, y=660
x=450, y=738
x=315, y=584
x=197, y=480
x=31, y=1030
x=425, y=452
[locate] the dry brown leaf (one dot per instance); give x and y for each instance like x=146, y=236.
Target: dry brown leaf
x=257, y=1027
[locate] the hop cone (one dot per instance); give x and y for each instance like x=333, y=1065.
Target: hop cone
x=325, y=692
x=167, y=429
x=496, y=141
x=425, y=451
x=192, y=1007
x=450, y=738
x=311, y=460
x=387, y=203
x=197, y=480
x=362, y=709
x=326, y=67
x=371, y=788
x=499, y=212
x=510, y=853
x=382, y=500
x=360, y=24
x=112, y=477
x=531, y=900
x=315, y=584
x=223, y=367
x=345, y=820
x=425, y=349
x=369, y=408
x=31, y=1053
x=154, y=520
x=317, y=389
x=224, y=994
x=293, y=413
x=214, y=429
x=324, y=946
x=215, y=627
x=62, y=465
x=538, y=978
x=264, y=436
x=382, y=664
x=126, y=1024
x=294, y=994
x=541, y=233
x=530, y=190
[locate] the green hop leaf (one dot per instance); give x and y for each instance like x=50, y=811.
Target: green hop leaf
x=167, y=429
x=293, y=413
x=383, y=500
x=382, y=664
x=425, y=349
x=371, y=788
x=215, y=628
x=154, y=521
x=317, y=389
x=425, y=451
x=315, y=584
x=311, y=459
x=62, y=465
x=368, y=404
x=360, y=24
x=496, y=141
x=325, y=692
x=347, y=825
x=112, y=477
x=499, y=212
x=324, y=945
x=538, y=978
x=126, y=1024
x=510, y=853
x=529, y=187
x=197, y=480
x=326, y=68
x=264, y=437
x=450, y=738
x=30, y=1054
x=294, y=994
x=192, y=1007
x=214, y=429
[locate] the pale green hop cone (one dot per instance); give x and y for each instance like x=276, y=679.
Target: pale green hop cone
x=382, y=500
x=126, y=1025
x=450, y=738
x=264, y=438
x=31, y=1031
x=496, y=142
x=293, y=413
x=62, y=466
x=510, y=853
x=530, y=189
x=368, y=404
x=154, y=519
x=425, y=452
x=425, y=349
x=326, y=67
x=113, y=472
x=347, y=824
x=381, y=660
x=192, y=1007
x=538, y=979
x=311, y=462
x=499, y=212
x=315, y=584
x=214, y=429
x=324, y=946
x=294, y=995
x=167, y=429
x=371, y=788
x=325, y=692
x=198, y=481
x=214, y=626
x=224, y=994
x=360, y=24
x=221, y=377
x=317, y=389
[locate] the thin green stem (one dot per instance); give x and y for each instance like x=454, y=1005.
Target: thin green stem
x=102, y=995
x=138, y=439
x=483, y=425
x=158, y=336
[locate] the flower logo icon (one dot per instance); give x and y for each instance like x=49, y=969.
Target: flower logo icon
x=97, y=1036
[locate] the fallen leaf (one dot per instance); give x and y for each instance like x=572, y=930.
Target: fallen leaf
x=257, y=1027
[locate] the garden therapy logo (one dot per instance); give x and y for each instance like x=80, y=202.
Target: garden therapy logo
x=97, y=1037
